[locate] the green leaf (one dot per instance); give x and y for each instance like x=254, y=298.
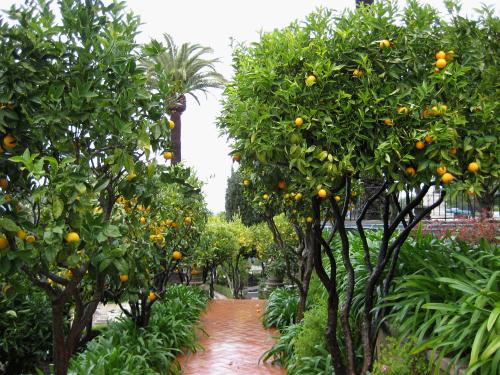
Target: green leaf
x=57, y=207
x=8, y=225
x=491, y=348
x=493, y=318
x=112, y=231
x=476, y=345
x=81, y=188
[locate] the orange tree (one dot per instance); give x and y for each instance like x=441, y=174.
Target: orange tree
x=75, y=122
x=333, y=101
x=162, y=219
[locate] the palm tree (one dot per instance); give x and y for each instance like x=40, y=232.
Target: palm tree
x=184, y=70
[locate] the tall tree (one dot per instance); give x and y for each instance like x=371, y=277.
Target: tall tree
x=180, y=71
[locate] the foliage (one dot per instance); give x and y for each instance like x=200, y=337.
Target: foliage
x=282, y=351
x=312, y=336
x=467, y=230
x=127, y=349
x=396, y=358
x=281, y=308
x=238, y=203
x=450, y=301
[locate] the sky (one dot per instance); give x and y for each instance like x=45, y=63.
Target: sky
x=213, y=24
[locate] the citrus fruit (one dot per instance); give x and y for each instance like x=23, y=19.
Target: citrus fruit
x=420, y=145
x=9, y=142
x=168, y=155
x=473, y=167
x=30, y=239
x=187, y=220
x=411, y=171
x=171, y=124
x=357, y=73
x=298, y=196
x=384, y=44
x=402, y=110
x=177, y=255
x=322, y=193
x=388, y=121
x=441, y=63
x=338, y=198
x=310, y=80
x=453, y=150
x=151, y=296
x=4, y=183
x=4, y=243
x=246, y=183
x=237, y=157
x=447, y=178
x=441, y=170
x=281, y=185
x=72, y=237
x=21, y=234
x=142, y=220
x=440, y=55
x=428, y=138
x=299, y=121
x=265, y=197
x=123, y=278
x=450, y=55
x=309, y=219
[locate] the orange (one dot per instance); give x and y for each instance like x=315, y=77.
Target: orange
x=402, y=110
x=309, y=219
x=384, y=43
x=9, y=142
x=187, y=220
x=299, y=121
x=322, y=193
x=30, y=239
x=152, y=296
x=72, y=237
x=338, y=198
x=168, y=155
x=177, y=255
x=173, y=224
x=441, y=63
x=123, y=278
x=441, y=170
x=411, y=171
x=357, y=73
x=420, y=145
x=4, y=243
x=453, y=150
x=4, y=183
x=171, y=124
x=265, y=197
x=310, y=80
x=237, y=157
x=281, y=185
x=298, y=196
x=440, y=55
x=142, y=220
x=388, y=121
x=428, y=138
x=473, y=167
x=246, y=183
x=447, y=178
x=21, y=234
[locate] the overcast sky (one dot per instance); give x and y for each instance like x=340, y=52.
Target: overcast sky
x=214, y=23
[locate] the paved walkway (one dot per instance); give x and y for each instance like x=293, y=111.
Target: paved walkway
x=235, y=342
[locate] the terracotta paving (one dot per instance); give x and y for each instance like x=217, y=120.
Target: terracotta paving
x=235, y=342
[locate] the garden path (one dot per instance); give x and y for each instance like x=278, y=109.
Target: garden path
x=235, y=342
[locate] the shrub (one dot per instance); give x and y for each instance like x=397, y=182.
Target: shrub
x=281, y=308
x=312, y=334
x=126, y=349
x=283, y=352
x=395, y=358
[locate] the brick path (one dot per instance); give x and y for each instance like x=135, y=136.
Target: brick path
x=236, y=340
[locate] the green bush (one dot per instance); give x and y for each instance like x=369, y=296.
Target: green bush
x=125, y=349
x=396, y=358
x=282, y=352
x=281, y=308
x=25, y=327
x=312, y=334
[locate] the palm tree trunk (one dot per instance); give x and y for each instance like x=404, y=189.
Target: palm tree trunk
x=176, y=112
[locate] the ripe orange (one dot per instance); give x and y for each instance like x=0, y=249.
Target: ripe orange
x=357, y=73
x=298, y=196
x=168, y=155
x=447, y=178
x=4, y=243
x=187, y=220
x=30, y=239
x=72, y=237
x=173, y=224
x=299, y=121
x=420, y=145
x=411, y=171
x=441, y=170
x=21, y=234
x=171, y=124
x=124, y=278
x=428, y=138
x=265, y=197
x=310, y=80
x=309, y=219
x=237, y=157
x=152, y=296
x=384, y=44
x=322, y=193
x=142, y=220
x=246, y=183
x=402, y=110
x=440, y=55
x=388, y=121
x=453, y=150
x=177, y=255
x=9, y=142
x=338, y=198
x=473, y=167
x=281, y=185
x=441, y=63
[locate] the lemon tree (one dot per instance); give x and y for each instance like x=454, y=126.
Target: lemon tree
x=333, y=101
x=77, y=124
